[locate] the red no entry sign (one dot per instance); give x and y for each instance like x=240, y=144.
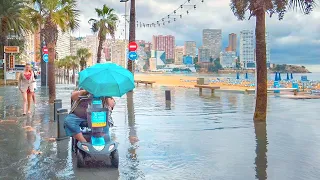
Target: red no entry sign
x=45, y=50
x=133, y=46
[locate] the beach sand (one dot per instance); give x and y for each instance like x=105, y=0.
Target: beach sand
x=190, y=81
x=181, y=81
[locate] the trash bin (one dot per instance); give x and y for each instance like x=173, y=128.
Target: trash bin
x=61, y=115
x=200, y=81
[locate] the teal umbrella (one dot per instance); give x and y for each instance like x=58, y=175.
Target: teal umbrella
x=106, y=79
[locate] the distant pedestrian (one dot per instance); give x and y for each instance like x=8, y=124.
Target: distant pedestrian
x=26, y=87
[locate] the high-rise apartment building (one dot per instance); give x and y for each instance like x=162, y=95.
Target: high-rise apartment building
x=76, y=44
x=178, y=60
x=247, y=49
x=164, y=43
x=203, y=55
x=118, y=55
x=247, y=46
x=190, y=48
x=212, y=40
x=29, y=48
x=232, y=43
x=92, y=44
x=63, y=48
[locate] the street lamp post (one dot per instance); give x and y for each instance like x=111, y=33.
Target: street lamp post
x=125, y=29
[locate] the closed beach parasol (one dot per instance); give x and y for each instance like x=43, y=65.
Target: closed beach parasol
x=288, y=77
x=276, y=77
x=246, y=75
x=279, y=78
x=238, y=75
x=107, y=79
x=291, y=76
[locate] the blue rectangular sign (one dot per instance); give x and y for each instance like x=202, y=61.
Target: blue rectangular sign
x=304, y=78
x=99, y=119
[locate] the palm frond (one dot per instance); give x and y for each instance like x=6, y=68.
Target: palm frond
x=305, y=6
x=239, y=8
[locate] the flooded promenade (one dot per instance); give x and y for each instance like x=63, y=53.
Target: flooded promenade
x=194, y=137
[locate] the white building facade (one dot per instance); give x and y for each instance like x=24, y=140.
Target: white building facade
x=63, y=47
x=228, y=59
x=247, y=49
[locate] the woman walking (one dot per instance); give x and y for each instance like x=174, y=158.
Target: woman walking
x=26, y=87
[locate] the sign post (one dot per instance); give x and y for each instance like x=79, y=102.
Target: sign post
x=304, y=79
x=132, y=55
x=45, y=58
x=4, y=69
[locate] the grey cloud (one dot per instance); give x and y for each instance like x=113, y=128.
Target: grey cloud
x=217, y=14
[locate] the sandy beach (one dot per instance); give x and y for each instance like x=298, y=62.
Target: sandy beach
x=189, y=82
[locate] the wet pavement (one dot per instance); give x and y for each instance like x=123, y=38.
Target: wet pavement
x=193, y=137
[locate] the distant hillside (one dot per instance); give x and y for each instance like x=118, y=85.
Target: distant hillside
x=284, y=68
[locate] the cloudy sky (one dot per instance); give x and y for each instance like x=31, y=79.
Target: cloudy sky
x=294, y=40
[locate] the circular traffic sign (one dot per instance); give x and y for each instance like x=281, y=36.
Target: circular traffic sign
x=132, y=55
x=133, y=46
x=45, y=50
x=45, y=58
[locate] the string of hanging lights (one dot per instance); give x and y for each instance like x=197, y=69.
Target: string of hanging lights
x=179, y=13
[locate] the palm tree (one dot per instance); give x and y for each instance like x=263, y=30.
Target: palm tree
x=258, y=8
x=56, y=14
x=83, y=55
x=104, y=26
x=74, y=64
x=13, y=20
x=132, y=31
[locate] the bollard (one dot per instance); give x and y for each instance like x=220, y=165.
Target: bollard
x=57, y=105
x=61, y=114
x=168, y=105
x=168, y=95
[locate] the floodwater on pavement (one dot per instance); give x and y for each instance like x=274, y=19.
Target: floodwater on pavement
x=193, y=137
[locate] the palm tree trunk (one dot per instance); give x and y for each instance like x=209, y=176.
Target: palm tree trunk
x=261, y=161
x=51, y=71
x=3, y=42
x=260, y=113
x=132, y=31
x=99, y=50
x=73, y=75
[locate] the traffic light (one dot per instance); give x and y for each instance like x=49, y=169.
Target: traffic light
x=11, y=62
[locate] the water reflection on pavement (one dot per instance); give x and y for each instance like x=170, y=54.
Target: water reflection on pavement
x=193, y=137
